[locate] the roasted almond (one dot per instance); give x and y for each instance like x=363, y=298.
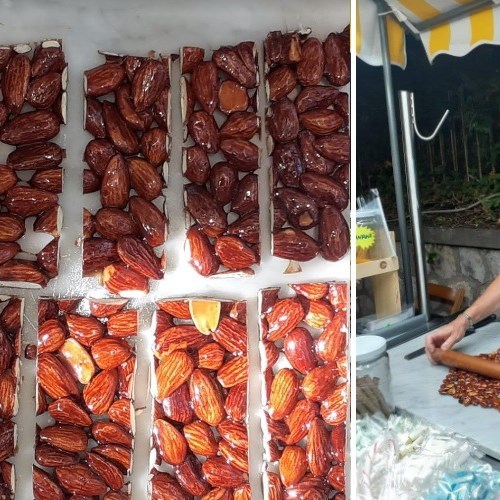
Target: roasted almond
x=280, y=82
x=48, y=456
x=65, y=437
x=172, y=372
x=105, y=469
x=103, y=79
x=232, y=335
x=190, y=57
x=171, y=444
x=195, y=164
x=201, y=252
x=54, y=377
x=234, y=253
x=93, y=119
x=99, y=393
x=233, y=372
x=283, y=318
x=243, y=154
x=139, y=257
x=299, y=420
x=15, y=82
x=120, y=279
x=178, y=337
x=105, y=432
x=293, y=244
x=115, y=185
x=246, y=198
x=312, y=62
x=51, y=336
x=109, y=353
x=98, y=253
x=201, y=439
x=44, y=90
x=117, y=454
x=205, y=210
x=206, y=397
x=114, y=223
x=236, y=402
x=284, y=393
x=240, y=125
x=66, y=411
x=8, y=178
x=237, y=457
x=177, y=308
x=203, y=130
x=335, y=147
x=28, y=201
x=144, y=178
x=189, y=476
x=334, y=234
x=31, y=127
x=80, y=480
x=97, y=154
x=120, y=134
x=292, y=465
x=85, y=329
x=151, y=221
x=230, y=62
x=78, y=359
x=283, y=121
x=222, y=474
x=154, y=146
x=204, y=85
x=44, y=486
x=148, y=82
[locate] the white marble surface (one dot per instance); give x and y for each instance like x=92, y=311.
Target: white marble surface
x=136, y=27
x=415, y=386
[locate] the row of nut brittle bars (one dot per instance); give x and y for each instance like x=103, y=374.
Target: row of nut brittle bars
x=128, y=113
x=303, y=345
x=11, y=316
x=200, y=439
x=219, y=113
x=85, y=388
x=32, y=109
x=308, y=127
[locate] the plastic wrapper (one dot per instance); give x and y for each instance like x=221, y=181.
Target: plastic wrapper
x=307, y=123
x=32, y=110
x=219, y=103
x=304, y=353
x=11, y=323
x=199, y=384
x=127, y=111
x=407, y=456
x=86, y=366
x=480, y=482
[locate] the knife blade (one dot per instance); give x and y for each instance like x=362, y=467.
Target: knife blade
x=486, y=321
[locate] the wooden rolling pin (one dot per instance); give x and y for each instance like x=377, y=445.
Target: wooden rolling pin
x=468, y=363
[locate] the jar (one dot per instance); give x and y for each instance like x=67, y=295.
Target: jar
x=373, y=377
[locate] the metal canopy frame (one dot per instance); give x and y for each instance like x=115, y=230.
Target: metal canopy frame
x=416, y=324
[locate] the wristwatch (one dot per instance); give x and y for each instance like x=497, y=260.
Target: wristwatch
x=469, y=319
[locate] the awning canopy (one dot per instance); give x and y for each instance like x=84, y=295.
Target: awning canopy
x=452, y=27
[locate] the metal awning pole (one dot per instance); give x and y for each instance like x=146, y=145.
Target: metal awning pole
x=408, y=124
x=396, y=163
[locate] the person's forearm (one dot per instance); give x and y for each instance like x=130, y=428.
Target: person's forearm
x=487, y=303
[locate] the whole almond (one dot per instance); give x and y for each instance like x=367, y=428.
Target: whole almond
x=223, y=182
x=44, y=90
x=206, y=397
x=8, y=390
x=149, y=80
x=47, y=59
x=48, y=221
x=165, y=486
x=66, y=411
x=122, y=412
x=109, y=353
x=151, y=222
x=232, y=97
x=312, y=62
x=240, y=125
x=189, y=476
x=284, y=393
x=233, y=372
x=44, y=486
x=292, y=465
x=115, y=185
x=243, y=154
x=120, y=134
x=123, y=323
x=201, y=252
x=51, y=336
x=86, y=330
x=246, y=228
x=234, y=433
x=325, y=190
x=24, y=271
x=154, y=146
x=80, y=480
x=139, y=257
x=201, y=439
x=299, y=350
x=28, y=201
x=177, y=406
x=105, y=469
x=48, y=456
x=334, y=408
x=103, y=79
x=161, y=110
x=11, y=228
x=177, y=308
x=236, y=402
x=190, y=57
x=230, y=62
x=320, y=382
x=105, y=432
x=123, y=100
x=321, y=121
x=196, y=166
x=120, y=279
x=65, y=437
x=114, y=223
x=222, y=474
x=172, y=372
x=280, y=82
x=97, y=253
x=301, y=209
x=313, y=160
x=234, y=253
x=98, y=154
x=283, y=318
x=15, y=82
x=119, y=455
x=237, y=457
x=178, y=337
x=335, y=147
x=99, y=393
x=93, y=119
x=337, y=60
x=204, y=85
x=205, y=210
x=293, y=244
x=246, y=198
x=36, y=156
x=315, y=96
x=232, y=335
x=283, y=121
x=27, y=128
x=171, y=444
x=54, y=377
x=8, y=251
x=144, y=178
x=50, y=180
x=211, y=356
x=203, y=130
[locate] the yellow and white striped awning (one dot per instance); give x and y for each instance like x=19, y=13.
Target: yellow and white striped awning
x=476, y=22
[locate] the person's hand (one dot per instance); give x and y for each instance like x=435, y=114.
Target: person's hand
x=446, y=337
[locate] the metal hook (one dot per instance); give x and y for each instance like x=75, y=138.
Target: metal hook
x=414, y=120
